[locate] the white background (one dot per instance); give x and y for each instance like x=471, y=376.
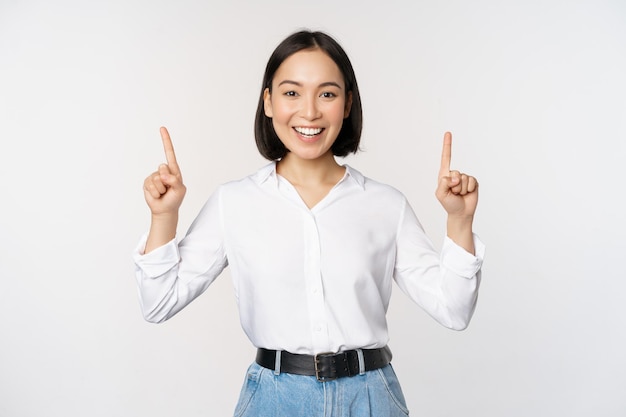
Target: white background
x=534, y=93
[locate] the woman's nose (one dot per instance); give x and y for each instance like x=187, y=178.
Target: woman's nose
x=310, y=109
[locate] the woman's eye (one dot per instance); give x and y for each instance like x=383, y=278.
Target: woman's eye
x=291, y=93
x=328, y=94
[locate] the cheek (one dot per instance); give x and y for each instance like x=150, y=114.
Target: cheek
x=277, y=124
x=281, y=112
x=338, y=111
x=281, y=127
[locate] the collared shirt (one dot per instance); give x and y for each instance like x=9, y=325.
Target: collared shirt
x=311, y=280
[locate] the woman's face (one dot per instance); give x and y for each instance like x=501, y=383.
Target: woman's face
x=307, y=104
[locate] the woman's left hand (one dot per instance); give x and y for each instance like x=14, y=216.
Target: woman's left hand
x=457, y=192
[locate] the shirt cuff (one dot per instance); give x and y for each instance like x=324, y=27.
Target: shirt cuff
x=158, y=261
x=459, y=261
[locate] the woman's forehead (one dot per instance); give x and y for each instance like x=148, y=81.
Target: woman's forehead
x=309, y=67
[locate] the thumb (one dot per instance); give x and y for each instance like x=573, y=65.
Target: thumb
x=444, y=185
x=167, y=177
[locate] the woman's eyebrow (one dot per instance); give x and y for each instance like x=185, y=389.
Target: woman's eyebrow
x=330, y=84
x=324, y=84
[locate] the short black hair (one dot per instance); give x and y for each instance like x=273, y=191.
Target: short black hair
x=349, y=137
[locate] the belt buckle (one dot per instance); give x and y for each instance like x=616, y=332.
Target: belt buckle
x=317, y=370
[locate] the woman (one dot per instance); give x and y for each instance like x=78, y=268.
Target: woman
x=313, y=247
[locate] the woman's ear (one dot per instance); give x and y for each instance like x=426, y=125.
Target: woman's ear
x=346, y=111
x=267, y=102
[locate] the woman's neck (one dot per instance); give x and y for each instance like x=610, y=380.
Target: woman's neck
x=310, y=172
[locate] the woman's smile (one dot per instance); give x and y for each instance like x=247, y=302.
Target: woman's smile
x=309, y=134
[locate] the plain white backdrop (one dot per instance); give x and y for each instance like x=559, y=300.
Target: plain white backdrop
x=534, y=93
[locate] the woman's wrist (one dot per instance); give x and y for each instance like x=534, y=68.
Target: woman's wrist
x=162, y=230
x=459, y=229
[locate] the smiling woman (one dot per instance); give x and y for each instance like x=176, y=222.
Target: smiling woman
x=311, y=268
x=332, y=59
x=307, y=104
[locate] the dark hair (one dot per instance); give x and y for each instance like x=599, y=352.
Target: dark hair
x=347, y=141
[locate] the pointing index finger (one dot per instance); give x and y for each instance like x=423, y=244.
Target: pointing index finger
x=446, y=155
x=170, y=156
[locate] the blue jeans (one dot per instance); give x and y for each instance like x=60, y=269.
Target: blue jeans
x=374, y=393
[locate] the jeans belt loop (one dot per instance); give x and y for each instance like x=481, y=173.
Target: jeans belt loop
x=277, y=362
x=359, y=353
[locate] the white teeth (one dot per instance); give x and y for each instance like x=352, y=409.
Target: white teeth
x=308, y=131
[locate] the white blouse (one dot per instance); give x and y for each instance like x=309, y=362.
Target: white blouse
x=311, y=280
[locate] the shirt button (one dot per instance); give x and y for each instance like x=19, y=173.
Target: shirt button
x=315, y=290
x=318, y=328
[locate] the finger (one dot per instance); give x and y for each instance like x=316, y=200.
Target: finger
x=158, y=184
x=443, y=188
x=170, y=156
x=446, y=155
x=456, y=183
x=150, y=188
x=167, y=177
x=472, y=185
x=464, y=184
x=152, y=192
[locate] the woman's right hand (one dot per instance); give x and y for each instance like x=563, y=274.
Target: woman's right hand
x=164, y=192
x=164, y=189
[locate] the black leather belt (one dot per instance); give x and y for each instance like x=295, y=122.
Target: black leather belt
x=325, y=366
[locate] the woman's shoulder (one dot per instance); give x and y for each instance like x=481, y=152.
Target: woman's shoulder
x=257, y=177
x=373, y=186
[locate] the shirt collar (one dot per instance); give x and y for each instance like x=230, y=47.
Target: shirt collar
x=269, y=172
x=265, y=173
x=355, y=175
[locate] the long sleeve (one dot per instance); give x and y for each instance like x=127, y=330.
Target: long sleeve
x=444, y=284
x=172, y=276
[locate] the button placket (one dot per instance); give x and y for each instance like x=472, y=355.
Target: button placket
x=314, y=285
